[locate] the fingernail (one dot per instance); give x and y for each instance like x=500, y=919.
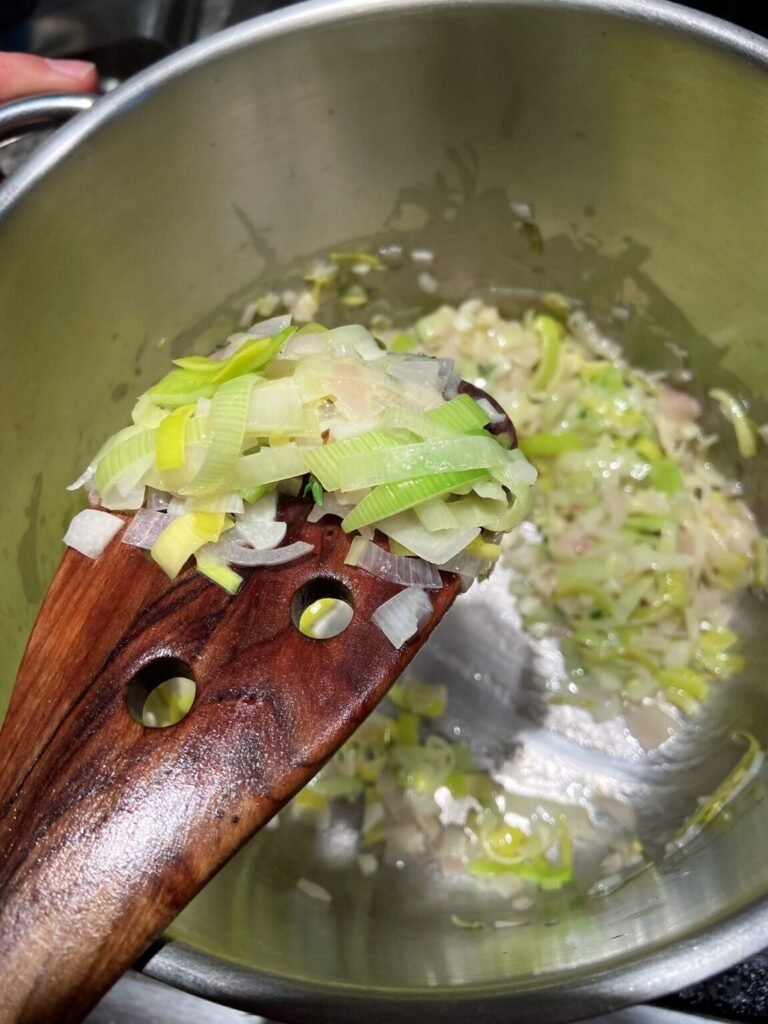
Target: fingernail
x=78, y=69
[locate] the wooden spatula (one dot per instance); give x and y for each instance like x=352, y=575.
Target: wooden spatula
x=109, y=828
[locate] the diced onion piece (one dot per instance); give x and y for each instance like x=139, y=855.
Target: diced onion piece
x=401, y=616
x=145, y=527
x=259, y=534
x=91, y=530
x=368, y=864
x=158, y=501
x=263, y=510
x=235, y=554
x=418, y=369
x=257, y=527
x=269, y=328
x=313, y=890
x=330, y=507
x=400, y=569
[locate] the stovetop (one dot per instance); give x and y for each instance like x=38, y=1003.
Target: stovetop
x=123, y=37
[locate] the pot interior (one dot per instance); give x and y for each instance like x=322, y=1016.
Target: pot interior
x=642, y=149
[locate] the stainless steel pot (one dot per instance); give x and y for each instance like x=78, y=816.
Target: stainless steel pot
x=638, y=131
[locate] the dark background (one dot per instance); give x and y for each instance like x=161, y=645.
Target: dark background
x=13, y=13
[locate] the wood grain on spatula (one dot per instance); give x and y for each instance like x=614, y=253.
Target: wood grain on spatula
x=109, y=828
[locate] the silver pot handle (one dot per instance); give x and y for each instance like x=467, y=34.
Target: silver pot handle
x=37, y=113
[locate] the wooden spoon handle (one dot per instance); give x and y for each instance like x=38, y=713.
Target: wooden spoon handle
x=108, y=828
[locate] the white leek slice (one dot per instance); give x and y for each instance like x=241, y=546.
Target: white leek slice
x=401, y=616
x=490, y=489
x=91, y=530
x=276, y=408
x=146, y=413
x=515, y=471
x=357, y=340
x=120, y=458
x=473, y=511
x=435, y=547
x=228, y=502
x=418, y=423
x=438, y=515
x=400, y=569
x=271, y=464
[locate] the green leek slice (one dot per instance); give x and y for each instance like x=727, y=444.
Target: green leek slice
x=184, y=536
x=461, y=414
x=547, y=445
x=325, y=461
x=219, y=573
x=404, y=462
x=389, y=499
x=170, y=439
x=229, y=415
x=551, y=333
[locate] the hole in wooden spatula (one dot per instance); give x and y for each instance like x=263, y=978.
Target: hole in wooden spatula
x=162, y=693
x=322, y=609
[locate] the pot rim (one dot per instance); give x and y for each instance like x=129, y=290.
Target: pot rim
x=701, y=953
x=663, y=13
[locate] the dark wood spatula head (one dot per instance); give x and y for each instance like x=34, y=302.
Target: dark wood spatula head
x=109, y=828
